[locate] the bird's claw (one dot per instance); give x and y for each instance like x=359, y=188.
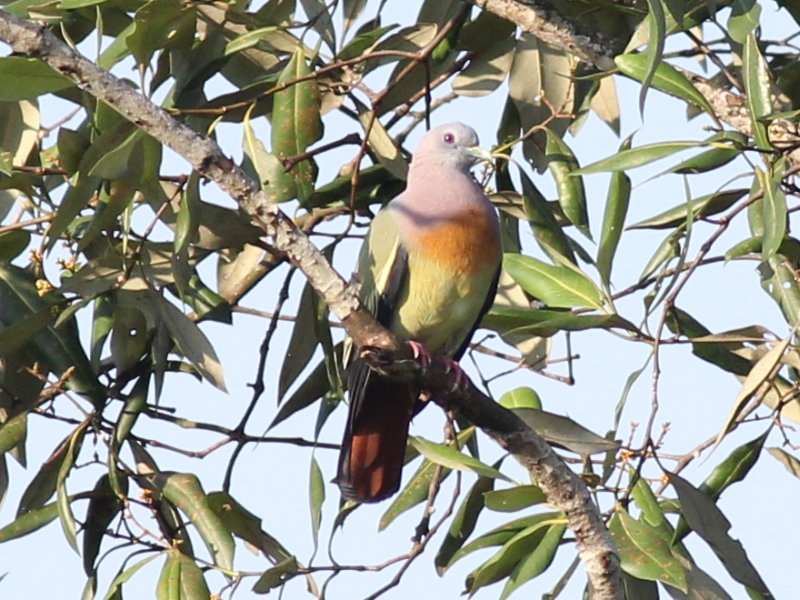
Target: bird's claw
x=459, y=378
x=420, y=354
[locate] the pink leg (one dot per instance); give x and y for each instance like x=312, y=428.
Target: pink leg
x=460, y=379
x=420, y=353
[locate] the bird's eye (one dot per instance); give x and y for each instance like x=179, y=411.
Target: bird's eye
x=449, y=138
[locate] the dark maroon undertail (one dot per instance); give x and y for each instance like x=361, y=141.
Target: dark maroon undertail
x=374, y=444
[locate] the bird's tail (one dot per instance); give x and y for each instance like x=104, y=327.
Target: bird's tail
x=374, y=445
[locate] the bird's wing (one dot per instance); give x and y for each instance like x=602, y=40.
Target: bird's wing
x=371, y=460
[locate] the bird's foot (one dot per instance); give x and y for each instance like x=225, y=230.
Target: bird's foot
x=420, y=354
x=459, y=379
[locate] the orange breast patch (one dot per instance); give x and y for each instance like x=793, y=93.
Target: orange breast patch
x=463, y=243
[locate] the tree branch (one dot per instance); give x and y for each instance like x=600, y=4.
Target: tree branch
x=564, y=490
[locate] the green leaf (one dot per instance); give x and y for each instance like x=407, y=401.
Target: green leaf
x=521, y=397
x=546, y=229
x=705, y=206
x=508, y=320
x=710, y=524
x=513, y=552
x=248, y=40
x=29, y=522
x=725, y=147
x=757, y=89
x=104, y=505
x=734, y=468
x=181, y=579
x=418, y=487
x=463, y=523
x=644, y=553
x=12, y=432
x=276, y=576
x=565, y=170
x=115, y=589
x=655, y=46
x=63, y=501
x=296, y=122
x=58, y=348
x=245, y=525
x=514, y=499
x=447, y=456
x=32, y=78
x=302, y=343
x=316, y=496
x=185, y=492
x=557, y=287
x=537, y=561
x=743, y=20
x=13, y=243
x=636, y=157
x=775, y=209
x=665, y=79
x=191, y=342
x=563, y=432
x=619, y=194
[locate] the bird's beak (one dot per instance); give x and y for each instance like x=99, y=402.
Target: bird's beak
x=479, y=154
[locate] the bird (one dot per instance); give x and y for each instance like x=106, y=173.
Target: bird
x=428, y=270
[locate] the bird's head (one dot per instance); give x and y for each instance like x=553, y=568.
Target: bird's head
x=452, y=145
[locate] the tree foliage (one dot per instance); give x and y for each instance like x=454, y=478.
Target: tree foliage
x=116, y=260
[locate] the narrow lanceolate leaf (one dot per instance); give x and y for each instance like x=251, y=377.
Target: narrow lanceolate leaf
x=514, y=499
x=245, y=525
x=186, y=493
x=757, y=88
x=665, y=79
x=463, y=523
x=63, y=501
x=104, y=505
x=655, y=46
x=191, y=342
x=760, y=374
x=296, y=122
x=181, y=579
x=725, y=147
x=546, y=229
x=734, y=468
x=447, y=456
x=557, y=287
x=29, y=522
x=636, y=157
x=513, y=552
x=789, y=461
x=712, y=526
x=644, y=553
x=705, y=206
x=316, y=496
x=114, y=590
x=536, y=562
x=619, y=194
x=775, y=210
x=12, y=432
x=564, y=168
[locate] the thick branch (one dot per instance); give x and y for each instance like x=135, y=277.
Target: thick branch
x=562, y=487
x=541, y=20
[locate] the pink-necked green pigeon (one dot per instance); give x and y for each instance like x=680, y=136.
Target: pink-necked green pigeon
x=428, y=271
